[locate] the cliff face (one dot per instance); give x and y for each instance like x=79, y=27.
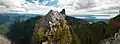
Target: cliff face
x=52, y=29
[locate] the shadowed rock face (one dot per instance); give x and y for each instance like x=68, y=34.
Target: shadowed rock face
x=52, y=29
x=115, y=22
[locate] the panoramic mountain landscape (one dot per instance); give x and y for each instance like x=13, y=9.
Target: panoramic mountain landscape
x=57, y=28
x=59, y=22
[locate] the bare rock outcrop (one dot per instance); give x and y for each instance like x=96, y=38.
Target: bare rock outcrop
x=52, y=29
x=4, y=40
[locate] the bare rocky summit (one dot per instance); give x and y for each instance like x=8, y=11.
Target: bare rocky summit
x=52, y=29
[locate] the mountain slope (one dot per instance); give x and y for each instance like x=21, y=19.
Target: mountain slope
x=113, y=31
x=52, y=29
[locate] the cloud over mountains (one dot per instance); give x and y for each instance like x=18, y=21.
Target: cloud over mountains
x=71, y=6
x=11, y=5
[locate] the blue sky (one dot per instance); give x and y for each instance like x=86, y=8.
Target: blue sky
x=94, y=7
x=53, y=3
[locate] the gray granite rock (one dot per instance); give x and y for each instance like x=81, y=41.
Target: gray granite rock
x=112, y=40
x=4, y=40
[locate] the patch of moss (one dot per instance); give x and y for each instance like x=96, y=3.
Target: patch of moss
x=39, y=35
x=60, y=33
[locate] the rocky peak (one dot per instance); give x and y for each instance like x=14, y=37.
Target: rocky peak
x=51, y=18
x=53, y=28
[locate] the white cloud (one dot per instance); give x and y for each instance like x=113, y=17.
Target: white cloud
x=3, y=9
x=12, y=5
x=71, y=6
x=17, y=3
x=92, y=4
x=77, y=4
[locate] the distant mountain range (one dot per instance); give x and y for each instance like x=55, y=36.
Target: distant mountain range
x=7, y=19
x=11, y=17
